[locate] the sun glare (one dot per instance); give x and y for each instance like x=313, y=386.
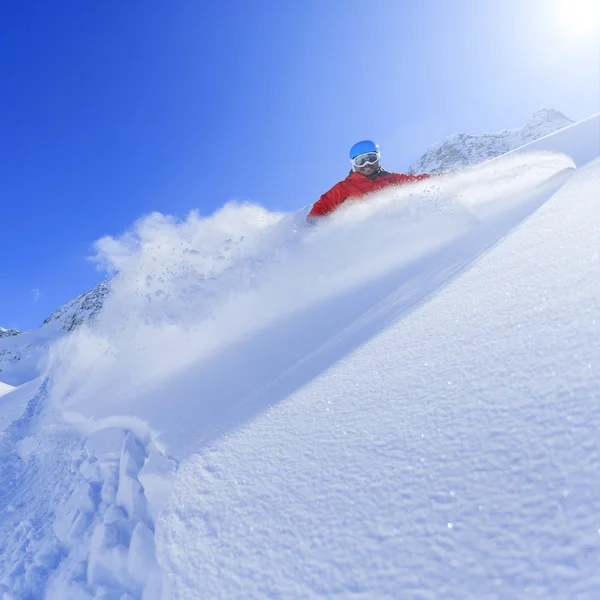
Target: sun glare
x=580, y=17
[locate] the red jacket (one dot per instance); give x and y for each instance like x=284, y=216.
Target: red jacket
x=357, y=186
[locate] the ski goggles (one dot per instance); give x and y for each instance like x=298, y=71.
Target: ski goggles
x=369, y=158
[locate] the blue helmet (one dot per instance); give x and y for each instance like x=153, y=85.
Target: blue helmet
x=363, y=147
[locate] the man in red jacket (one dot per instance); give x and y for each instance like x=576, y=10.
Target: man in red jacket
x=365, y=177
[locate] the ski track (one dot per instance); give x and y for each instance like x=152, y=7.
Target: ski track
x=77, y=513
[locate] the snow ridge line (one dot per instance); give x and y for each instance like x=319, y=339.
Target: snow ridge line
x=94, y=537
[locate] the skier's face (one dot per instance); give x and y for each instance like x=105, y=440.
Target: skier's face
x=367, y=169
x=366, y=163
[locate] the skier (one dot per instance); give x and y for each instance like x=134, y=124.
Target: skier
x=366, y=176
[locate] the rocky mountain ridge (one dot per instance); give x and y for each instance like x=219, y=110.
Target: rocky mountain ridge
x=21, y=353
x=461, y=150
x=81, y=309
x=8, y=332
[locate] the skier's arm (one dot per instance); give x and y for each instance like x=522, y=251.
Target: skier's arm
x=327, y=203
x=402, y=178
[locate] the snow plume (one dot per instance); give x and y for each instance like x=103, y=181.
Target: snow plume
x=183, y=290
x=169, y=277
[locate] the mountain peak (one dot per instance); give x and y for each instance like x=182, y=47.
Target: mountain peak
x=461, y=150
x=8, y=332
x=82, y=309
x=548, y=114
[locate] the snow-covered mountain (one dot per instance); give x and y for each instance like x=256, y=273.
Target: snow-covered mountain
x=82, y=309
x=8, y=332
x=462, y=149
x=22, y=354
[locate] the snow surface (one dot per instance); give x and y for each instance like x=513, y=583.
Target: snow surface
x=399, y=403
x=452, y=455
x=21, y=355
x=13, y=401
x=5, y=388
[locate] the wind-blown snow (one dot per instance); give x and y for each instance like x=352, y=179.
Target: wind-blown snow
x=400, y=402
x=179, y=320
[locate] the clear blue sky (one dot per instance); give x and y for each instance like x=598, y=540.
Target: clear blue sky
x=111, y=110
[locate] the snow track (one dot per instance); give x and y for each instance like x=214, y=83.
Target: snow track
x=77, y=514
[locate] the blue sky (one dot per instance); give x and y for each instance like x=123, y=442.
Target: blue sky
x=111, y=110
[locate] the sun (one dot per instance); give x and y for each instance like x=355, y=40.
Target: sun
x=579, y=17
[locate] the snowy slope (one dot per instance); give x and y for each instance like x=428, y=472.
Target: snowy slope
x=401, y=402
x=13, y=401
x=22, y=357
x=462, y=149
x=5, y=388
x=451, y=454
